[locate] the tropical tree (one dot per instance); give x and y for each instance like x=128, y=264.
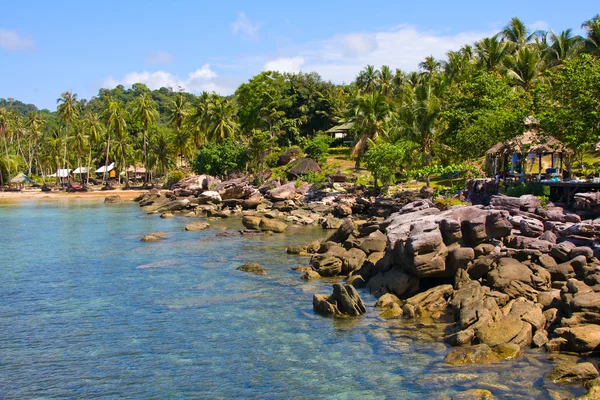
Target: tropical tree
x=492, y=53
x=370, y=114
x=367, y=80
x=563, y=46
x=67, y=111
x=525, y=66
x=95, y=131
x=222, y=119
x=146, y=113
x=114, y=116
x=518, y=34
x=4, y=134
x=34, y=124
x=80, y=143
x=592, y=29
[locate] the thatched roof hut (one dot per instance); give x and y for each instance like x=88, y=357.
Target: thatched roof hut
x=532, y=141
x=21, y=179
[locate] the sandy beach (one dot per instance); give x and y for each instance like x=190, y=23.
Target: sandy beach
x=96, y=195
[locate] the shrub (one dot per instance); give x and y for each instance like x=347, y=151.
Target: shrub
x=444, y=203
x=318, y=148
x=174, y=177
x=272, y=159
x=383, y=161
x=342, y=150
x=521, y=189
x=221, y=159
x=313, y=177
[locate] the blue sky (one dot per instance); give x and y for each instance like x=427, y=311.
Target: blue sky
x=47, y=47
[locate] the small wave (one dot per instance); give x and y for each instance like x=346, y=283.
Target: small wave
x=160, y=264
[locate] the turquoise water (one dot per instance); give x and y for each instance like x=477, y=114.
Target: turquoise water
x=89, y=311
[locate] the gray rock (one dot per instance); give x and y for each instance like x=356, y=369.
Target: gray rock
x=252, y=268
x=574, y=372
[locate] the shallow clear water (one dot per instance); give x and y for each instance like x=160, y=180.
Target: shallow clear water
x=87, y=310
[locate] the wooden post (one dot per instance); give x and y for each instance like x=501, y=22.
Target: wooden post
x=552, y=160
x=561, y=165
x=540, y=171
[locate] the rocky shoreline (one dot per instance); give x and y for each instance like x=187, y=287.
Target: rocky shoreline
x=511, y=274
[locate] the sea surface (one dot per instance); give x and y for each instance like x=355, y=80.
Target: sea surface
x=87, y=310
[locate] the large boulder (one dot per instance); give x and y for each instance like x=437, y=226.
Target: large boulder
x=282, y=192
x=196, y=226
x=393, y=281
x=272, y=225
x=115, y=199
x=238, y=188
x=303, y=166
x=287, y=156
x=573, y=372
x=580, y=339
x=343, y=301
x=194, y=184
x=507, y=271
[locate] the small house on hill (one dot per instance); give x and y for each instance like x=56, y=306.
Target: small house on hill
x=110, y=170
x=340, y=131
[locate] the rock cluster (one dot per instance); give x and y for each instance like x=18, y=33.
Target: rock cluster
x=513, y=274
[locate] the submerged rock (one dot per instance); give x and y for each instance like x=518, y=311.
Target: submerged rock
x=154, y=237
x=113, y=199
x=569, y=373
x=343, y=301
x=197, y=226
x=252, y=268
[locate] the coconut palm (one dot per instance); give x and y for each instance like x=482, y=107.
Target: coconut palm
x=563, y=46
x=367, y=79
x=197, y=121
x=592, y=40
x=34, y=124
x=146, y=112
x=4, y=132
x=222, y=115
x=430, y=66
x=80, y=143
x=370, y=114
x=386, y=81
x=177, y=114
x=161, y=151
x=114, y=117
x=492, y=53
x=67, y=112
x=525, y=66
x=421, y=121
x=95, y=130
x=518, y=34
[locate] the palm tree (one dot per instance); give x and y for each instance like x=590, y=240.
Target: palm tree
x=222, y=115
x=114, y=117
x=146, y=112
x=197, y=121
x=67, y=112
x=177, y=114
x=525, y=66
x=4, y=133
x=80, y=143
x=34, y=124
x=492, y=53
x=421, y=121
x=592, y=29
x=517, y=33
x=95, y=130
x=161, y=151
x=370, y=114
x=563, y=46
x=430, y=66
x=367, y=79
x=386, y=81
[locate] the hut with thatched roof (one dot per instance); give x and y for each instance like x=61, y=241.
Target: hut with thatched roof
x=509, y=158
x=21, y=179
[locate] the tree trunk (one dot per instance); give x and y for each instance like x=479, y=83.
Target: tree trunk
x=65, y=155
x=145, y=157
x=87, y=180
x=7, y=163
x=106, y=162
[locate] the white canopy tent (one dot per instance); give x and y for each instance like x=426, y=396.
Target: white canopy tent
x=104, y=169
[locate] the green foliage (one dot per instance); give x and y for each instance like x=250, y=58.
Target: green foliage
x=174, y=177
x=341, y=150
x=384, y=161
x=521, y=189
x=452, y=171
x=313, y=177
x=259, y=147
x=444, y=203
x=221, y=159
x=543, y=201
x=570, y=102
x=318, y=148
x=272, y=159
x=481, y=112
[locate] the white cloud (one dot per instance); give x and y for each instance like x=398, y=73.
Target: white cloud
x=539, y=26
x=12, y=41
x=285, y=64
x=341, y=57
x=159, y=57
x=243, y=26
x=202, y=79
